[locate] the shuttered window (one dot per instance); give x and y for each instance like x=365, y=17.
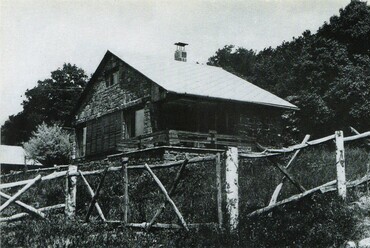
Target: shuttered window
x=103, y=134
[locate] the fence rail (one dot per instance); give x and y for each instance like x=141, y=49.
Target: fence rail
x=267, y=152
x=73, y=173
x=226, y=176
x=340, y=184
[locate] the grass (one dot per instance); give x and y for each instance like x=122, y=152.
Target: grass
x=321, y=221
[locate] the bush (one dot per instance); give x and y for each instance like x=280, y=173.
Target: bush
x=317, y=221
x=49, y=145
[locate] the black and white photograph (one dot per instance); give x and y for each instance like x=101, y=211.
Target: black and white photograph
x=172, y=124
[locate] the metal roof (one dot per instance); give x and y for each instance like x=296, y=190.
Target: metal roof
x=202, y=80
x=15, y=155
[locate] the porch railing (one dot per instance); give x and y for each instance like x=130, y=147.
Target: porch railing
x=185, y=139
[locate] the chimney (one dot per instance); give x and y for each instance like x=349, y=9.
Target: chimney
x=180, y=53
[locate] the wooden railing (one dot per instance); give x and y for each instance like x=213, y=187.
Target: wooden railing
x=185, y=139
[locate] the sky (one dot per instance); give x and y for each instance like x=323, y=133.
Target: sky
x=37, y=37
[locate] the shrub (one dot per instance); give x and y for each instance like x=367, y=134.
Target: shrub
x=49, y=145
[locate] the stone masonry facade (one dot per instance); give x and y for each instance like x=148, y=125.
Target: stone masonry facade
x=132, y=89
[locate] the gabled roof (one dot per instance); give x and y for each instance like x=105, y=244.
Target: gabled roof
x=194, y=79
x=202, y=80
x=15, y=155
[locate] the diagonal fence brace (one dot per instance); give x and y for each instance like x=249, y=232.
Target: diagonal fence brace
x=289, y=176
x=20, y=192
x=91, y=191
x=29, y=209
x=96, y=195
x=280, y=185
x=286, y=173
x=170, y=193
x=164, y=191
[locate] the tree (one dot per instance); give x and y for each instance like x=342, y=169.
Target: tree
x=50, y=145
x=351, y=27
x=51, y=101
x=349, y=94
x=15, y=129
x=325, y=74
x=239, y=61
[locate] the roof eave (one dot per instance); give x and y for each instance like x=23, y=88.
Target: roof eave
x=237, y=101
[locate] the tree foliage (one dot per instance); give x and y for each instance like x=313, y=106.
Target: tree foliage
x=51, y=101
x=325, y=74
x=49, y=145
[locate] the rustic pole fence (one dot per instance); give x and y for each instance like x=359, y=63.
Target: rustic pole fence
x=232, y=187
x=231, y=193
x=170, y=193
x=277, y=190
x=22, y=215
x=340, y=164
x=279, y=152
x=95, y=196
x=91, y=192
x=164, y=191
x=367, y=145
x=20, y=192
x=340, y=184
x=219, y=189
x=29, y=209
x=71, y=190
x=125, y=187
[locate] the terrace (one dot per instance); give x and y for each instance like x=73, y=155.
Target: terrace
x=177, y=138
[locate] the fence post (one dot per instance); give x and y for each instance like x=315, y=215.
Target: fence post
x=125, y=185
x=340, y=163
x=219, y=189
x=71, y=190
x=232, y=187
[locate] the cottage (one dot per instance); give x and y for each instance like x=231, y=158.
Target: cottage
x=137, y=103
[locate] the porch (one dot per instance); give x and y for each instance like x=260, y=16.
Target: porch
x=212, y=140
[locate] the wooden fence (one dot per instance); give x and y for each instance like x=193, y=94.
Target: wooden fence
x=72, y=173
x=226, y=184
x=340, y=184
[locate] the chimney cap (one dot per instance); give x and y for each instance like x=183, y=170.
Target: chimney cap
x=181, y=44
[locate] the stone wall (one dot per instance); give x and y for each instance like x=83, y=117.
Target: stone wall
x=120, y=99
x=132, y=89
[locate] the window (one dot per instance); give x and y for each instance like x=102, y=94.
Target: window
x=129, y=125
x=84, y=131
x=139, y=122
x=81, y=141
x=133, y=123
x=113, y=78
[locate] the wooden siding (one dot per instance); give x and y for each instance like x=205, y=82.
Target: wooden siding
x=103, y=134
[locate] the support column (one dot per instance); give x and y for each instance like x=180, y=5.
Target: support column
x=232, y=187
x=71, y=190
